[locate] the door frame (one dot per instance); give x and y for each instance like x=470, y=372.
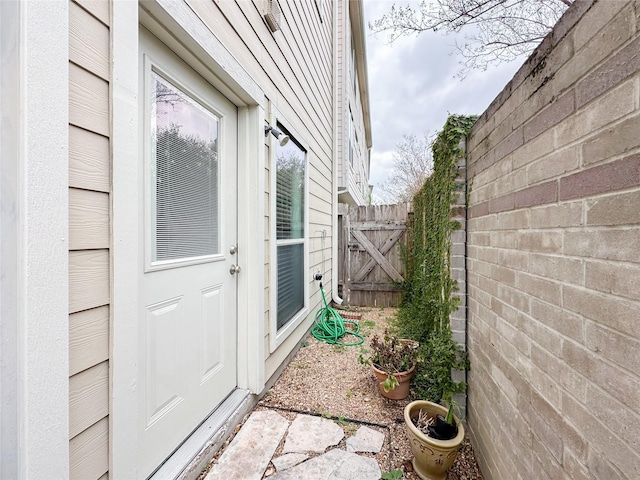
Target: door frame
x=177, y=26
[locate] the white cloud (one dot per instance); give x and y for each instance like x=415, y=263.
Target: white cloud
x=384, y=166
x=413, y=89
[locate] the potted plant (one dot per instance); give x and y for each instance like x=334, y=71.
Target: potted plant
x=393, y=361
x=445, y=428
x=432, y=456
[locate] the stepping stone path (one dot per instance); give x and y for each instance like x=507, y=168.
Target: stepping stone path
x=312, y=434
x=248, y=455
x=335, y=464
x=365, y=440
x=250, y=452
x=288, y=460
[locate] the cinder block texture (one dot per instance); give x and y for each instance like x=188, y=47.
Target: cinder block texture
x=553, y=257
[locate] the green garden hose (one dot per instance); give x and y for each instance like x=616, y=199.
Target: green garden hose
x=329, y=326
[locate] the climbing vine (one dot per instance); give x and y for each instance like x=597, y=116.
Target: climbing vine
x=429, y=289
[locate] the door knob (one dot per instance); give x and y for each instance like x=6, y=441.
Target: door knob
x=233, y=249
x=234, y=269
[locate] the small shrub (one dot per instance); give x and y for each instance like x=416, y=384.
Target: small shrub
x=391, y=355
x=441, y=354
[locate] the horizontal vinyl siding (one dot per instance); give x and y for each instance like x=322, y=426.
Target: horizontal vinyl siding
x=341, y=119
x=88, y=160
x=88, y=338
x=89, y=451
x=290, y=69
x=294, y=68
x=89, y=238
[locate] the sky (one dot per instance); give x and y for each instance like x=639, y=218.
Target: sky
x=413, y=88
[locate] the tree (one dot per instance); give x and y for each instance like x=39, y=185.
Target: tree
x=504, y=29
x=412, y=164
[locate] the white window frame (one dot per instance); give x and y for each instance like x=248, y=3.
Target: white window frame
x=181, y=81
x=277, y=337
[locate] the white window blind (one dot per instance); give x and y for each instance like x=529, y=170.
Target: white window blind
x=186, y=206
x=290, y=282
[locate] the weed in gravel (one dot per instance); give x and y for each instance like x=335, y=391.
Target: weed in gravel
x=392, y=475
x=350, y=429
x=367, y=327
x=325, y=414
x=341, y=421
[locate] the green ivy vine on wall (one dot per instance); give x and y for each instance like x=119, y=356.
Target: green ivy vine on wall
x=429, y=289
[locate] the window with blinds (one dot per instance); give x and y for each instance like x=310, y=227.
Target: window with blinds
x=290, y=234
x=290, y=282
x=185, y=204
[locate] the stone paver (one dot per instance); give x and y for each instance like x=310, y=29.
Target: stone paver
x=334, y=465
x=365, y=440
x=312, y=434
x=288, y=460
x=249, y=454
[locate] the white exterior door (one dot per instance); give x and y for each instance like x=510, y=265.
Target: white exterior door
x=187, y=227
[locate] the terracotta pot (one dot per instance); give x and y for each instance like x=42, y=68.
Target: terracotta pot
x=431, y=457
x=402, y=390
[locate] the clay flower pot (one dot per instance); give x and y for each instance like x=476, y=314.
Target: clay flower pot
x=401, y=390
x=431, y=457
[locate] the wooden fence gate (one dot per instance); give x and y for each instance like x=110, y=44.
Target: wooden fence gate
x=370, y=267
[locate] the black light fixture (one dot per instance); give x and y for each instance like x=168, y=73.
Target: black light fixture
x=282, y=138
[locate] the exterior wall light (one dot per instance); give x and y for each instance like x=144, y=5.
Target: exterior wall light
x=282, y=138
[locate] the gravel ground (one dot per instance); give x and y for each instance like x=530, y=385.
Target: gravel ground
x=328, y=380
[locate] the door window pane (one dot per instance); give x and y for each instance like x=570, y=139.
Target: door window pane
x=185, y=165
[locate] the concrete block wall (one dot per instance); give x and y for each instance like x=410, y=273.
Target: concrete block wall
x=553, y=265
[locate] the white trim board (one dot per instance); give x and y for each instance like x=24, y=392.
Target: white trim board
x=124, y=151
x=34, y=96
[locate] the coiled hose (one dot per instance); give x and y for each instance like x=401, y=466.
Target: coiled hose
x=329, y=326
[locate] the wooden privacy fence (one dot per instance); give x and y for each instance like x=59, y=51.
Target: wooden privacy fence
x=370, y=266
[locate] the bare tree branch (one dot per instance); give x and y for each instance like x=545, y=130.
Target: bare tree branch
x=412, y=164
x=502, y=29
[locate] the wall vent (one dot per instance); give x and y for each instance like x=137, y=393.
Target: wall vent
x=272, y=14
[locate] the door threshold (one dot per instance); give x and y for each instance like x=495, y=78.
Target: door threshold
x=188, y=461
